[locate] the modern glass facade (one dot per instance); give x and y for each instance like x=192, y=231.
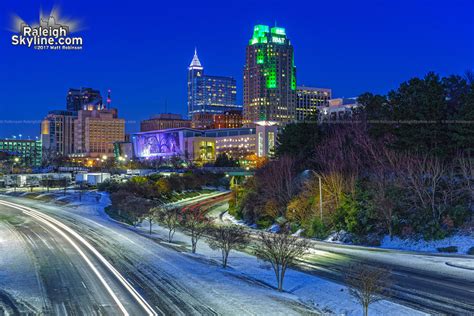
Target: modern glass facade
x=209, y=94
x=269, y=77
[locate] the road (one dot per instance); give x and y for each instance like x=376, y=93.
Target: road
x=167, y=279
x=434, y=283
x=424, y=281
x=76, y=279
x=162, y=276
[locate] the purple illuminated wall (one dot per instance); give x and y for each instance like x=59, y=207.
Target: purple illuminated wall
x=157, y=144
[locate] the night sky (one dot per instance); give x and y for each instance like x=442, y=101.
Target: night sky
x=141, y=49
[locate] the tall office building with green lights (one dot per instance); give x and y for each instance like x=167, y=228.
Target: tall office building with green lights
x=269, y=77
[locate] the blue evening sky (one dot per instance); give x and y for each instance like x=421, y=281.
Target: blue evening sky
x=141, y=49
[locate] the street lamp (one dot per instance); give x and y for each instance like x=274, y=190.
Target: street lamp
x=15, y=161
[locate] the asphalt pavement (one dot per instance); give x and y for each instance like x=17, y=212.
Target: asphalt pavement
x=74, y=280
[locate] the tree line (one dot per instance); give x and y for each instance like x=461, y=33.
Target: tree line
x=132, y=200
x=401, y=166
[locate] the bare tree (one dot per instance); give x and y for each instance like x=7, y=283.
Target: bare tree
x=367, y=284
x=169, y=216
x=383, y=202
x=281, y=250
x=431, y=185
x=469, y=76
x=466, y=166
x=195, y=221
x=280, y=173
x=150, y=217
x=226, y=238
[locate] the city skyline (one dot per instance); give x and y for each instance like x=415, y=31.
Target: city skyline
x=327, y=55
x=237, y=157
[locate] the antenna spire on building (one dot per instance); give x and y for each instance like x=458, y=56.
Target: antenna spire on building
x=109, y=99
x=195, y=63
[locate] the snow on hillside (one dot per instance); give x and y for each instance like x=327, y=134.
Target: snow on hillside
x=463, y=242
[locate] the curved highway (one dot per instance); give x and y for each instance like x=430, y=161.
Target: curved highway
x=146, y=276
x=76, y=279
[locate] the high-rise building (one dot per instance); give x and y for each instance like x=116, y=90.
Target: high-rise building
x=96, y=131
x=83, y=99
x=57, y=132
x=164, y=121
x=269, y=77
x=308, y=100
x=210, y=94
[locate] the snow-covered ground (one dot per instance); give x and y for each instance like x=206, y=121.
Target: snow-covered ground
x=325, y=295
x=246, y=281
x=462, y=242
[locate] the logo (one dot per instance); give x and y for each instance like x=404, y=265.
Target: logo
x=52, y=33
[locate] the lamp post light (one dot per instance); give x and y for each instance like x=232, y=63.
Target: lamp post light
x=15, y=161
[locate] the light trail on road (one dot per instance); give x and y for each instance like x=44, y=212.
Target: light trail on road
x=61, y=229
x=421, y=289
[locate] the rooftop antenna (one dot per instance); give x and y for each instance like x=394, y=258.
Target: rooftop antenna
x=109, y=99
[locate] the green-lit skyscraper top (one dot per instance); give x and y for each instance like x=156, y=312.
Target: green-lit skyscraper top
x=269, y=77
x=264, y=34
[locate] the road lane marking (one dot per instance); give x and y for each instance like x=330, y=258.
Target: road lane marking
x=50, y=221
x=81, y=253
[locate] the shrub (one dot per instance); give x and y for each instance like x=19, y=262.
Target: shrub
x=470, y=251
x=235, y=210
x=449, y=249
x=263, y=223
x=432, y=231
x=316, y=228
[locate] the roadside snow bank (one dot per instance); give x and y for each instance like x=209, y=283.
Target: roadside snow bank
x=328, y=297
x=463, y=243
